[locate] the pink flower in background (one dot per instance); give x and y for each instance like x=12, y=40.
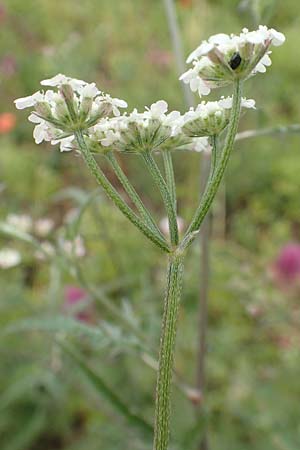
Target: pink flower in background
x=8, y=64
x=76, y=303
x=160, y=58
x=2, y=12
x=286, y=267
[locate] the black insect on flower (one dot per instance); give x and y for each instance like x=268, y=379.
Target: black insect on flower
x=235, y=61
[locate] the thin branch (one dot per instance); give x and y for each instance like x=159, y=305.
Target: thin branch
x=169, y=171
x=165, y=194
x=134, y=197
x=115, y=196
x=177, y=47
x=269, y=131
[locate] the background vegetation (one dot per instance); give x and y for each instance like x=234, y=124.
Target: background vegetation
x=46, y=401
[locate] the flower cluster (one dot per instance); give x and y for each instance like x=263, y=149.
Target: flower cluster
x=9, y=258
x=74, y=105
x=24, y=223
x=137, y=132
x=223, y=58
x=210, y=118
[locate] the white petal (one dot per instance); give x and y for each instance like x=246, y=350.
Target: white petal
x=27, y=102
x=194, y=84
x=35, y=119
x=255, y=37
x=220, y=39
x=203, y=89
x=203, y=49
x=248, y=103
x=120, y=103
x=159, y=108
x=57, y=80
x=90, y=90
x=266, y=60
x=201, y=144
x=277, y=37
x=260, y=68
x=226, y=103
x=39, y=133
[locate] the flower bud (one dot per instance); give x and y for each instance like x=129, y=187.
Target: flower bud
x=67, y=92
x=43, y=109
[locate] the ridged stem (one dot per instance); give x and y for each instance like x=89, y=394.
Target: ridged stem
x=165, y=194
x=166, y=353
x=114, y=195
x=170, y=178
x=215, y=180
x=133, y=195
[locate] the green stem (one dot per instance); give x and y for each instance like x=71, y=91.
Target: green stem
x=167, y=199
x=134, y=197
x=114, y=195
x=166, y=353
x=169, y=171
x=214, y=182
x=214, y=155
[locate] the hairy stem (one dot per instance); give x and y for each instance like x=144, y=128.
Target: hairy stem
x=214, y=155
x=169, y=171
x=166, y=353
x=215, y=180
x=115, y=196
x=165, y=194
x=134, y=197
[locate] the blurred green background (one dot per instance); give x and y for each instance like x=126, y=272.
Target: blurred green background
x=253, y=367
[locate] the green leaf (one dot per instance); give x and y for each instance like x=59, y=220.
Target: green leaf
x=102, y=388
x=104, y=335
x=13, y=232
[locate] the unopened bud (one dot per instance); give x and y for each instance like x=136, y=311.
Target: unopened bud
x=68, y=95
x=67, y=92
x=43, y=109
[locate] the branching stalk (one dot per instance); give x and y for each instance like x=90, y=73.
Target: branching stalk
x=134, y=197
x=170, y=178
x=165, y=194
x=214, y=182
x=114, y=195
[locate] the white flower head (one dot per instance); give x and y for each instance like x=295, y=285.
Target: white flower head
x=69, y=105
x=20, y=222
x=210, y=118
x=9, y=258
x=43, y=226
x=223, y=58
x=136, y=132
x=74, y=248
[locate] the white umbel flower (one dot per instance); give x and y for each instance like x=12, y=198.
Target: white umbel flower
x=20, y=222
x=136, y=132
x=70, y=105
x=9, y=258
x=223, y=58
x=43, y=226
x=74, y=248
x=210, y=118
